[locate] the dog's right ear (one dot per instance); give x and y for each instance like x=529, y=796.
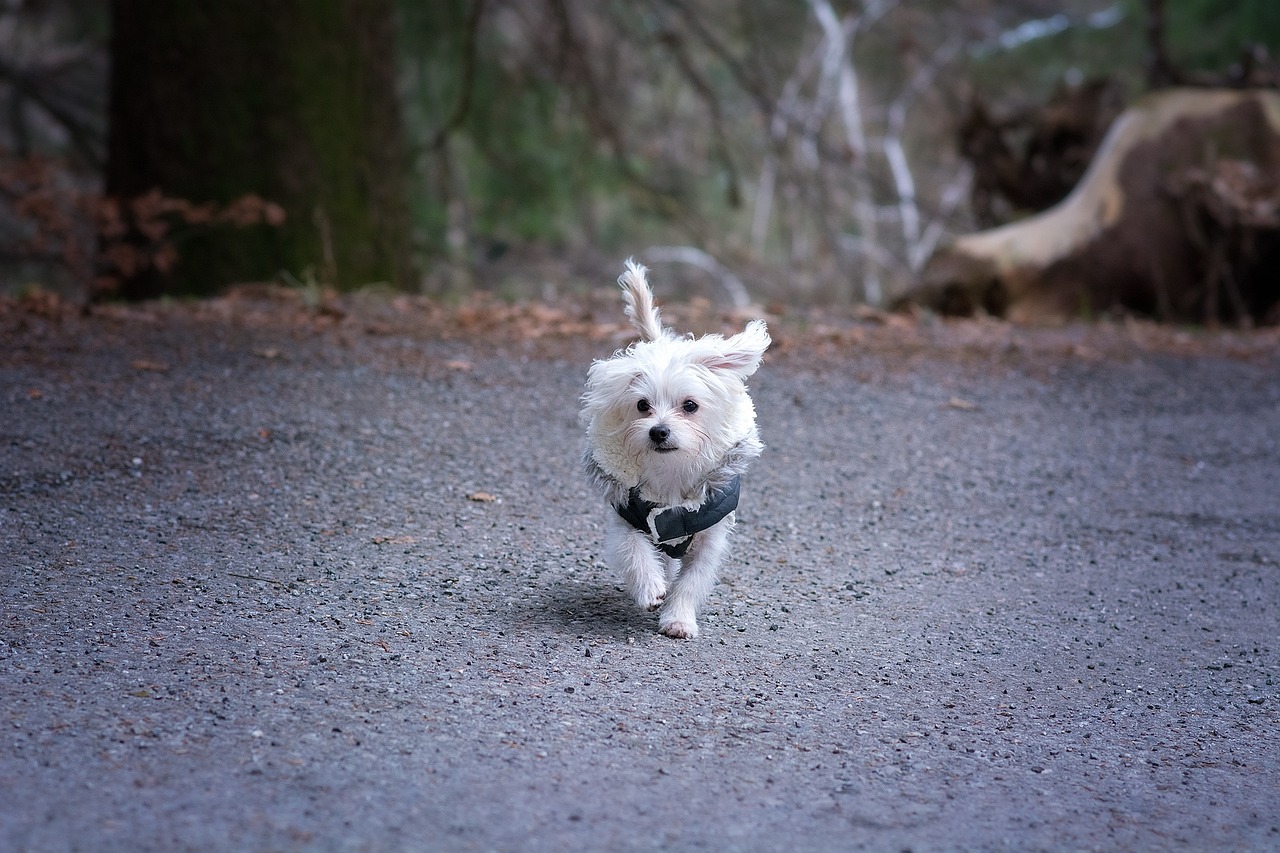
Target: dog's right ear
x=740, y=354
x=609, y=383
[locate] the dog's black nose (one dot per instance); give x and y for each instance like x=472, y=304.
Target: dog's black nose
x=659, y=433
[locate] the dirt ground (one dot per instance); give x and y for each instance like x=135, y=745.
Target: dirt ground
x=287, y=574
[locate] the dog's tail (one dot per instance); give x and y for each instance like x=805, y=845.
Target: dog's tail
x=639, y=299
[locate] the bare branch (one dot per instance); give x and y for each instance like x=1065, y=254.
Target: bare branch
x=953, y=195
x=675, y=44
x=574, y=55
x=705, y=262
x=748, y=81
x=838, y=65
x=783, y=115
x=468, y=74
x=29, y=85
x=895, y=153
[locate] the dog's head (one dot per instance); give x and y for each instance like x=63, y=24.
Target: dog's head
x=665, y=411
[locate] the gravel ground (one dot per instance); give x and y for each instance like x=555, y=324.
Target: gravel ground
x=271, y=587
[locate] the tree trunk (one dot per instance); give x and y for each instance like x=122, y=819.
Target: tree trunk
x=294, y=101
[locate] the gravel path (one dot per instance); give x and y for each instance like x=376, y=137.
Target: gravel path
x=256, y=596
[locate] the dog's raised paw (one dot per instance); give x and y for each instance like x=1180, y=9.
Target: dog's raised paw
x=649, y=596
x=679, y=630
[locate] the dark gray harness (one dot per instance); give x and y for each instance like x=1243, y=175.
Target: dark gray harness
x=672, y=528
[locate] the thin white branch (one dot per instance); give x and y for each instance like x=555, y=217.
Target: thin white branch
x=908, y=210
x=1038, y=28
x=705, y=262
x=833, y=42
x=838, y=63
x=785, y=113
x=763, y=203
x=855, y=244
x=895, y=153
x=952, y=195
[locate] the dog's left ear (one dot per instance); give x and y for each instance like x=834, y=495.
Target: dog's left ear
x=740, y=354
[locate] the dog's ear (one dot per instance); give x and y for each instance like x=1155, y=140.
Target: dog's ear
x=740, y=354
x=607, y=382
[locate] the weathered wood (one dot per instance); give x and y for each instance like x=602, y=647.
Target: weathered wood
x=1121, y=239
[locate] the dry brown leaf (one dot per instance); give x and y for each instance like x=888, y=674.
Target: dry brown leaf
x=481, y=497
x=962, y=405
x=394, y=540
x=153, y=366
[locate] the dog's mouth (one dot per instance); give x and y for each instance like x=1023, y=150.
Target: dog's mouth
x=665, y=448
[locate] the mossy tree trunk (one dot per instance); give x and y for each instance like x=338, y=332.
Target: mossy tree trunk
x=292, y=100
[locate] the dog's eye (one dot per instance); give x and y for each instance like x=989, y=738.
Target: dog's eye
x=690, y=406
x=643, y=405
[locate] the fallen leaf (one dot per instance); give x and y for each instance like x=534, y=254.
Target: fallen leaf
x=962, y=405
x=393, y=540
x=481, y=497
x=458, y=364
x=867, y=314
x=34, y=394
x=153, y=366
x=268, y=352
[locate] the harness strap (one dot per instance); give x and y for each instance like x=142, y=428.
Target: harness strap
x=672, y=527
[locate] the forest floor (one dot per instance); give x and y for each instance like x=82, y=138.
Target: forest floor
x=283, y=573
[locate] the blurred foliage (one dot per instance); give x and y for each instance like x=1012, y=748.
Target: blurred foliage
x=506, y=147
x=572, y=125
x=1209, y=35
x=570, y=133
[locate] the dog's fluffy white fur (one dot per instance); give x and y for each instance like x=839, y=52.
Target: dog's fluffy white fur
x=671, y=416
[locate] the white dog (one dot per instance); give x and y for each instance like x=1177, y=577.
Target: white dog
x=671, y=430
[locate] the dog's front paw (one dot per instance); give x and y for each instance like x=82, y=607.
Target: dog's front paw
x=679, y=629
x=650, y=596
x=646, y=583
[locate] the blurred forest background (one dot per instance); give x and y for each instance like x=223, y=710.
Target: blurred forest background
x=753, y=150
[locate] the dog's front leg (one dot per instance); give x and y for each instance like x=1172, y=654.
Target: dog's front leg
x=643, y=571
x=698, y=571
